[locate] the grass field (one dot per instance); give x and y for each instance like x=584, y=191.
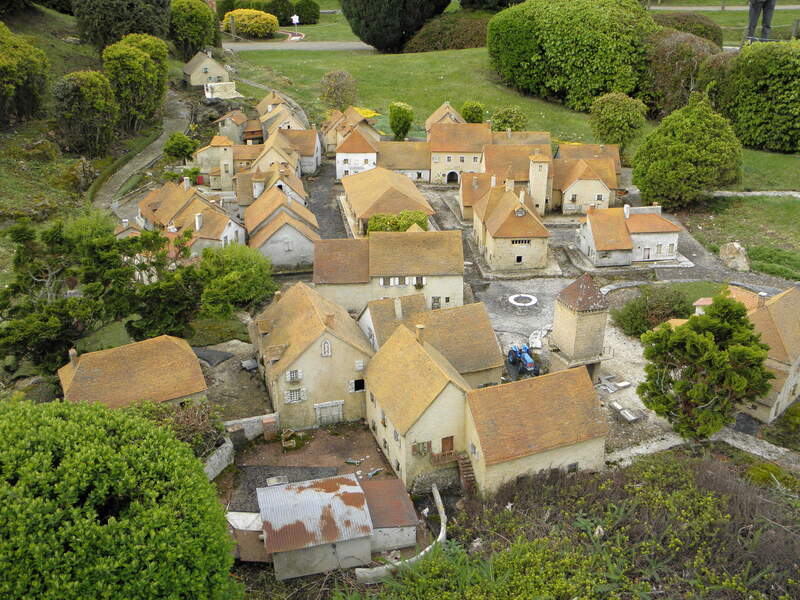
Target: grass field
x=734, y=23
x=694, y=290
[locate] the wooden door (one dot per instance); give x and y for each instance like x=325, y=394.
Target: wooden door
x=447, y=444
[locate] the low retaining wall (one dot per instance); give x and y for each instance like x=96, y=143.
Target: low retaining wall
x=219, y=460
x=378, y=574
x=244, y=430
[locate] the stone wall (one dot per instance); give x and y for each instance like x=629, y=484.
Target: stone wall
x=219, y=460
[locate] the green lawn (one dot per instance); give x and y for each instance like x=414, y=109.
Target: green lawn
x=734, y=23
x=694, y=290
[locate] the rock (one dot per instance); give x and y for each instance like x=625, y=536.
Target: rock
x=10, y=363
x=734, y=256
x=80, y=175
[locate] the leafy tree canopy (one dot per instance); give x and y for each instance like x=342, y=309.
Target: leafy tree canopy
x=389, y=24
x=401, y=116
x=399, y=222
x=103, y=22
x=23, y=77
x=99, y=503
x=193, y=26
x=180, y=146
x=86, y=112
x=698, y=374
x=617, y=118
x=308, y=11
x=509, y=117
x=473, y=111
x=338, y=89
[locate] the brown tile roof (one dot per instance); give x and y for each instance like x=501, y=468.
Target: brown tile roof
x=474, y=186
x=778, y=322
x=608, y=229
x=650, y=223
x=282, y=220
x=746, y=297
x=389, y=503
x=444, y=114
x=567, y=150
x=406, y=377
x=303, y=140
x=409, y=254
x=534, y=415
x=159, y=369
x=460, y=137
x=272, y=98
x=270, y=201
x=237, y=116
x=253, y=125
x=380, y=191
x=220, y=140
x=583, y=294
x=298, y=319
x=406, y=156
x=388, y=313
x=506, y=217
x=356, y=143
x=247, y=151
x=332, y=120
x=523, y=138
x=341, y=261
x=568, y=170
x=499, y=158
x=352, y=116
x=277, y=115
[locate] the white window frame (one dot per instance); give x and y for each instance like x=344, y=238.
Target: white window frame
x=325, y=349
x=599, y=197
x=294, y=396
x=359, y=365
x=294, y=375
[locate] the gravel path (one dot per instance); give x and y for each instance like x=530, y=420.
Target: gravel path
x=310, y=46
x=176, y=118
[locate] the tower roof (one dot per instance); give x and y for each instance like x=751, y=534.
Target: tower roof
x=583, y=294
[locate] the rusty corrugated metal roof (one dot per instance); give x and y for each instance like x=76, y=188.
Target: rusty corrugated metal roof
x=312, y=513
x=389, y=503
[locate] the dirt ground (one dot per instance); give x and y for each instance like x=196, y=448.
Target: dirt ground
x=328, y=447
x=237, y=393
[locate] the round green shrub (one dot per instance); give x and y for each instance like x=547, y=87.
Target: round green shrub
x=451, y=31
x=473, y=111
x=100, y=503
x=758, y=89
x=617, y=118
x=401, y=116
x=691, y=22
x=509, y=117
x=693, y=151
x=571, y=50
x=674, y=60
x=283, y=10
x=86, y=112
x=193, y=26
x=23, y=76
x=308, y=11
x=251, y=23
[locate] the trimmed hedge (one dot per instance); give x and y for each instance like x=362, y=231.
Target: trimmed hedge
x=451, y=31
x=571, y=50
x=758, y=89
x=690, y=22
x=674, y=59
x=308, y=11
x=252, y=23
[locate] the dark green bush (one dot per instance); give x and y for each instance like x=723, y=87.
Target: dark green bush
x=571, y=50
x=224, y=7
x=488, y=4
x=103, y=22
x=12, y=6
x=62, y=6
x=674, y=59
x=617, y=118
x=692, y=151
x=86, y=112
x=282, y=9
x=193, y=26
x=23, y=76
x=759, y=91
x=308, y=11
x=654, y=306
x=473, y=111
x=389, y=24
x=691, y=22
x=451, y=31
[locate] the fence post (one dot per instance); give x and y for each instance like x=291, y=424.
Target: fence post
x=233, y=26
x=795, y=28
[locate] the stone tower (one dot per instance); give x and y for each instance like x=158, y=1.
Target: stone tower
x=579, y=326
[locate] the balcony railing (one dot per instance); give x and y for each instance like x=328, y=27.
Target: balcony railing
x=443, y=458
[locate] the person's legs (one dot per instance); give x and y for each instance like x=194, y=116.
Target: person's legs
x=755, y=12
x=766, y=20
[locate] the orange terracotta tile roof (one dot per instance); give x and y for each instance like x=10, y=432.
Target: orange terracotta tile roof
x=380, y=191
x=404, y=156
x=460, y=137
x=298, y=319
x=444, y=114
x=778, y=322
x=276, y=224
x=608, y=229
x=237, y=116
x=220, y=140
x=253, y=126
x=356, y=143
x=405, y=398
x=566, y=150
x=474, y=186
x=159, y=369
x=746, y=297
x=341, y=261
x=582, y=294
x=506, y=217
x=500, y=158
x=567, y=171
x=534, y=415
x=304, y=140
x=270, y=201
x=650, y=223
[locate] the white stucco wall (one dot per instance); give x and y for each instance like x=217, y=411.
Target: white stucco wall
x=319, y=559
x=348, y=163
x=586, y=191
x=605, y=258
x=440, y=166
x=390, y=538
x=231, y=131
x=354, y=296
x=287, y=248
x=651, y=241
x=417, y=175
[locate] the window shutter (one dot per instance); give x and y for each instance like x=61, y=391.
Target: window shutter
x=304, y=396
x=405, y=280
x=286, y=396
x=429, y=447
x=424, y=280
x=288, y=375
x=394, y=281
x=351, y=386
x=299, y=373
x=359, y=365
x=414, y=449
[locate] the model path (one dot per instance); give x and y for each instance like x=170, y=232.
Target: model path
x=176, y=118
x=310, y=46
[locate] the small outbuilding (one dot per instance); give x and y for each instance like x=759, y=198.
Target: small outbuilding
x=394, y=520
x=203, y=69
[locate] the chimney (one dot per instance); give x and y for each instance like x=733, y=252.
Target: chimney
x=509, y=185
x=329, y=318
x=73, y=357
x=508, y=132
x=522, y=196
x=762, y=299
x=198, y=221
x=186, y=184
x=420, y=333
x=398, y=309
x=474, y=182
x=125, y=223
x=602, y=147
x=278, y=295
x=627, y=210
x=494, y=181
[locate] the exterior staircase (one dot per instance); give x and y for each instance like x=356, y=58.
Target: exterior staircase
x=466, y=472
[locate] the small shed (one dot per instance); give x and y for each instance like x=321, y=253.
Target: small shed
x=202, y=69
x=316, y=526
x=246, y=530
x=394, y=520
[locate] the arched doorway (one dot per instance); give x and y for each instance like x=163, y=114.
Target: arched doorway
x=452, y=177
